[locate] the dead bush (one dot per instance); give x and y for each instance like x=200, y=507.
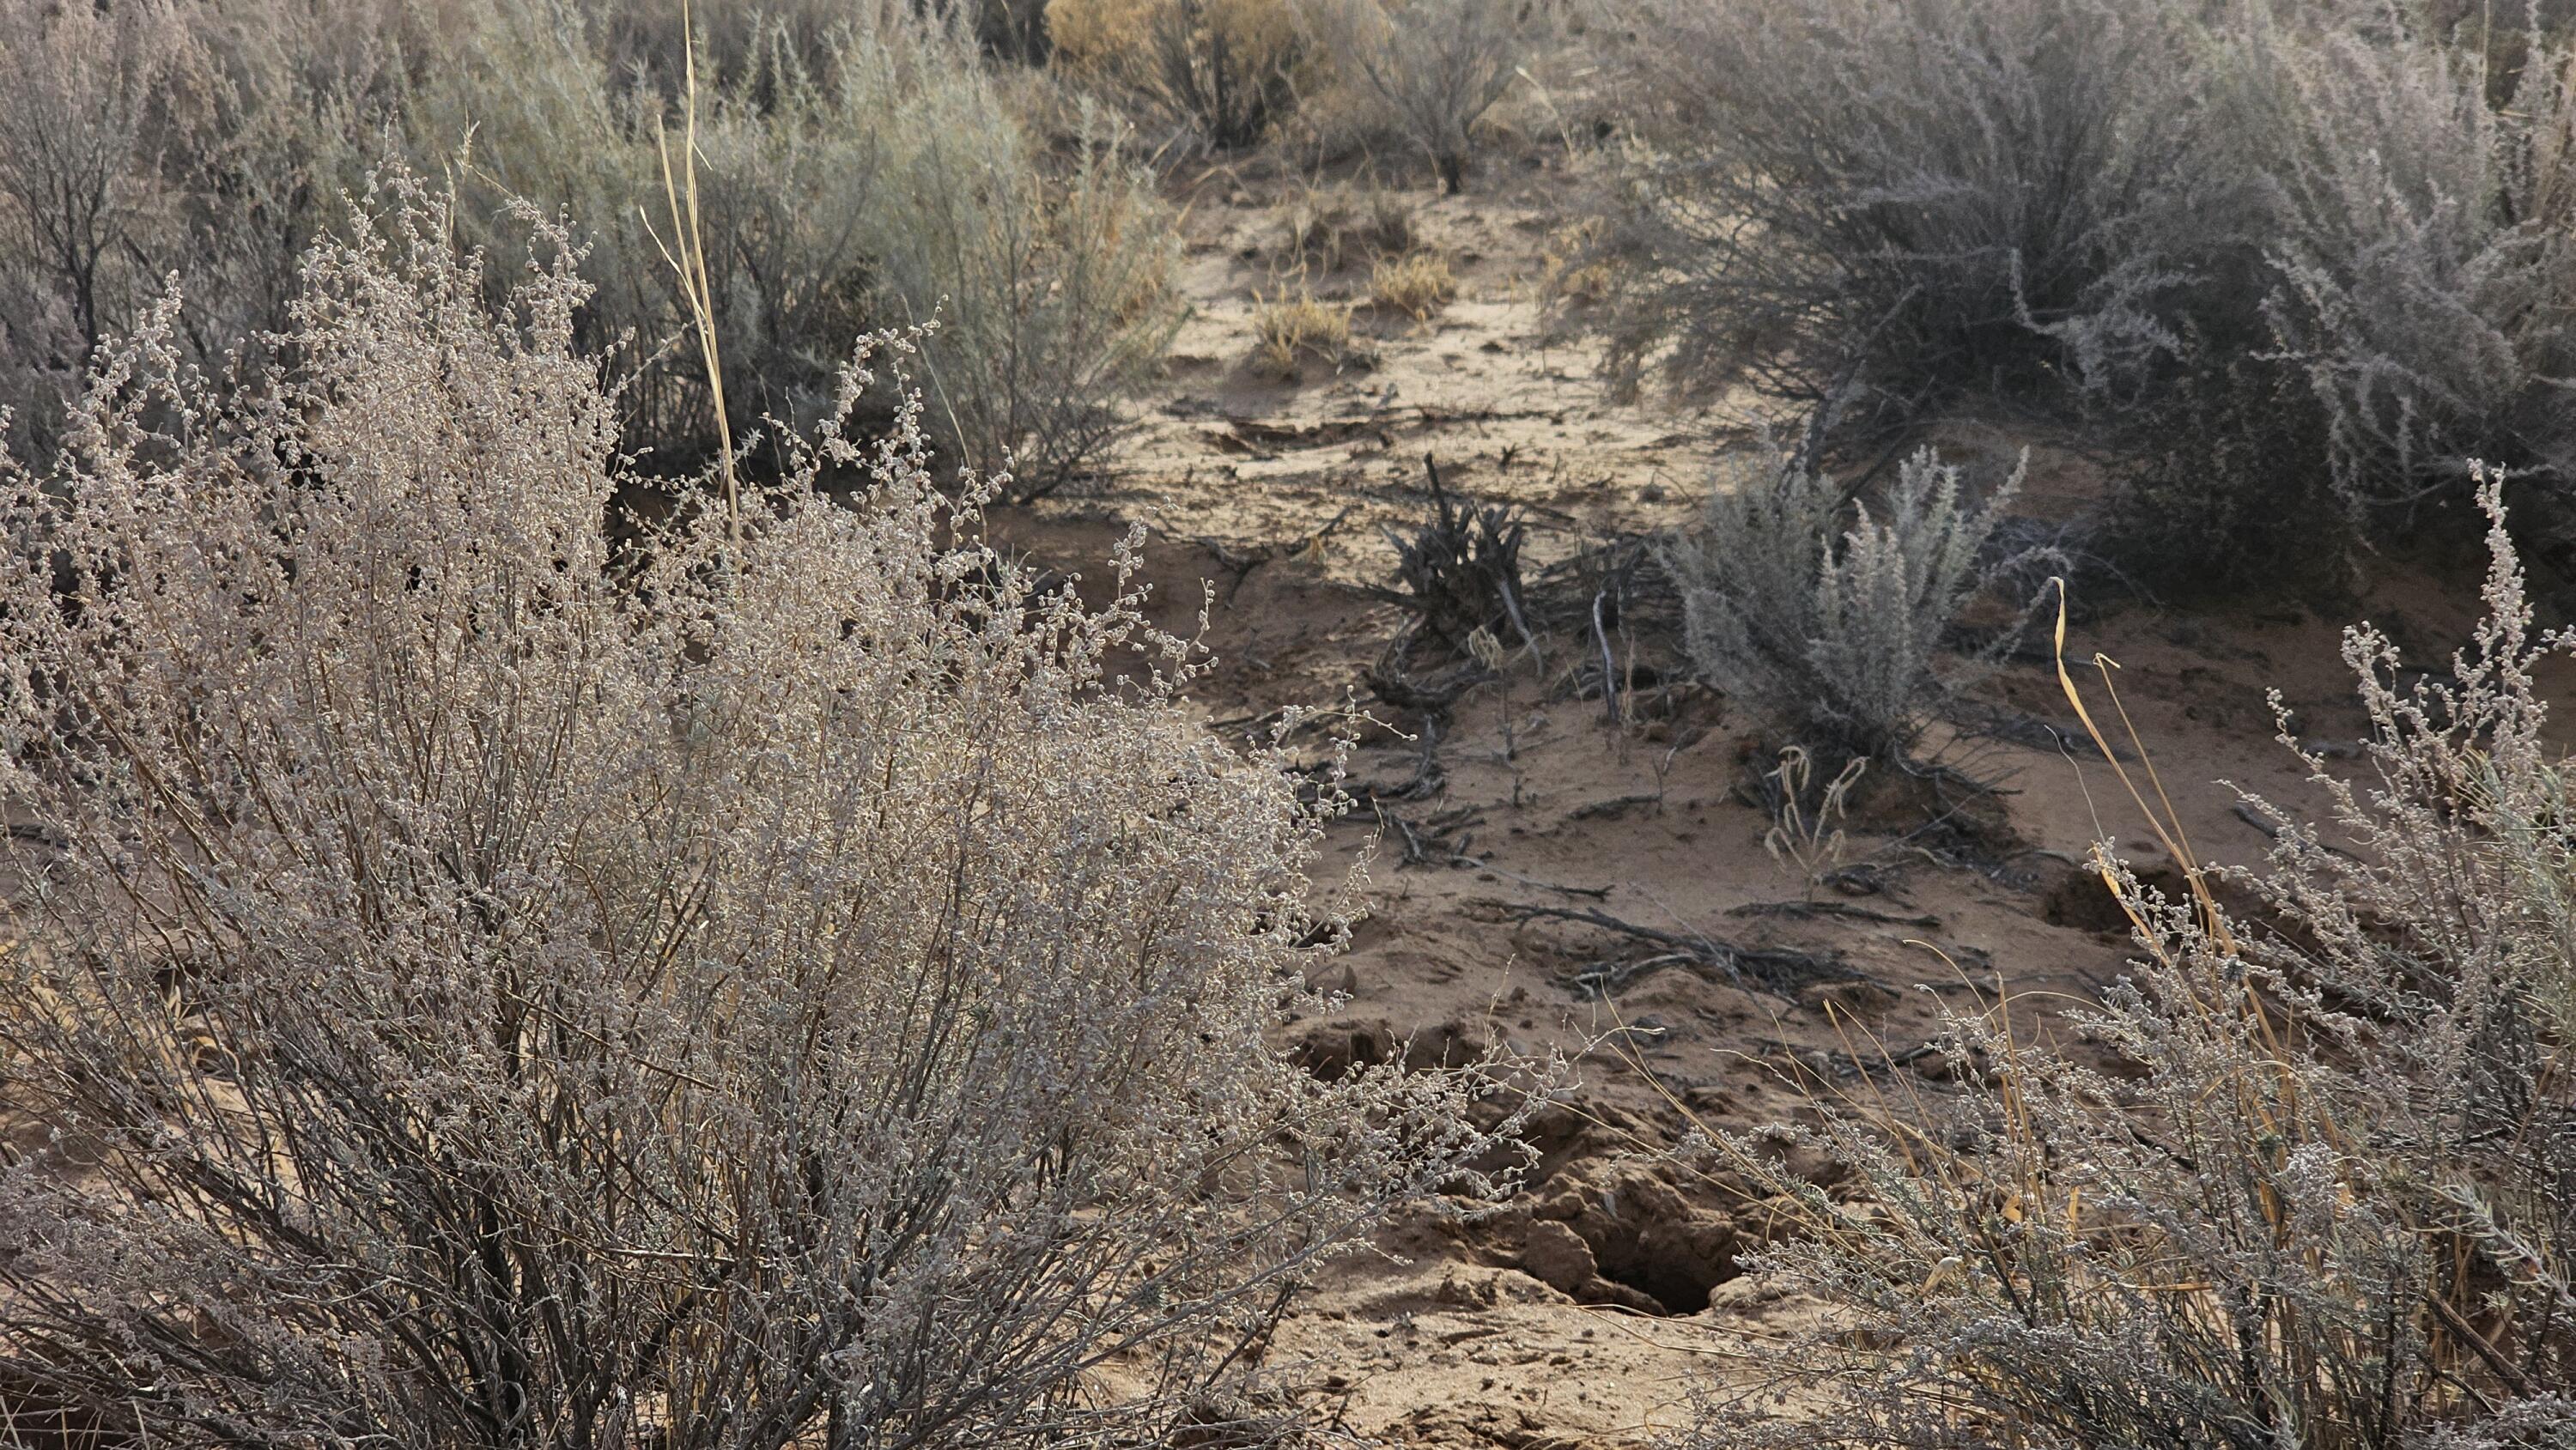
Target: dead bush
x=791, y=981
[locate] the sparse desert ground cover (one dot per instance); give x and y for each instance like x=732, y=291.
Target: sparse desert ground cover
x=1961, y=949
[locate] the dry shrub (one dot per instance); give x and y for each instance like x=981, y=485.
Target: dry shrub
x=889, y=184
x=1224, y=69
x=1417, y=284
x=146, y=138
x=1899, y=200
x=1435, y=67
x=2322, y=1198
x=1325, y=228
x=1825, y=617
x=2219, y=490
x=863, y=166
x=790, y=981
x=1053, y=285
x=1292, y=328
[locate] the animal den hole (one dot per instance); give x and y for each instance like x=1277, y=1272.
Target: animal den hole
x=1633, y=1240
x=1332, y=1047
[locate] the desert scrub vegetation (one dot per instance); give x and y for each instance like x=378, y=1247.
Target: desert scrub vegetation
x=1325, y=227
x=1433, y=67
x=1417, y=284
x=2113, y=216
x=2317, y=1194
x=1224, y=71
x=1289, y=328
x=146, y=138
x=1911, y=197
x=2424, y=265
x=783, y=978
x=862, y=166
x=888, y=181
x=1824, y=616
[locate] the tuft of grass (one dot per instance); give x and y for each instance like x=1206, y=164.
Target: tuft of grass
x=1571, y=270
x=1292, y=328
x=1326, y=228
x=1417, y=284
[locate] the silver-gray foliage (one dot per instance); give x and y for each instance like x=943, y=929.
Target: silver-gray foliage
x=1832, y=628
x=2319, y=1192
x=2426, y=261
x=474, y=981
x=1914, y=196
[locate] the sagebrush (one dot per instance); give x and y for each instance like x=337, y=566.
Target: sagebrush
x=784, y=978
x=886, y=182
x=2118, y=217
x=1896, y=202
x=1827, y=618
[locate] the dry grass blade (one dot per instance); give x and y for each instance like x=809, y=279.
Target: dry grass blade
x=689, y=260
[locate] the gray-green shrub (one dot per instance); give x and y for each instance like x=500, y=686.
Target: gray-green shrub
x=1897, y=201
x=796, y=981
x=145, y=139
x=860, y=166
x=2123, y=214
x=1824, y=616
x=2426, y=267
x=888, y=183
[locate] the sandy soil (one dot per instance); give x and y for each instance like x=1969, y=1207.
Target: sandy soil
x=1583, y=1314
